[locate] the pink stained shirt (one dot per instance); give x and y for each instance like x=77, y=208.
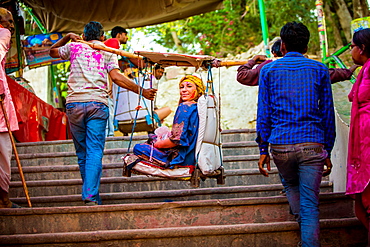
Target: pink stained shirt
x=88, y=80
x=5, y=37
x=358, y=162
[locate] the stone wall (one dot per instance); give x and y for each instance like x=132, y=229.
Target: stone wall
x=238, y=102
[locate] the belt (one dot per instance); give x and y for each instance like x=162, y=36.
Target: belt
x=304, y=144
x=310, y=144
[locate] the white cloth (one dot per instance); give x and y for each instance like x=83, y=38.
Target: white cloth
x=5, y=157
x=208, y=149
x=146, y=169
x=126, y=102
x=109, y=131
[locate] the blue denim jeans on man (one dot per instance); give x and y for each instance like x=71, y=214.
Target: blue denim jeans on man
x=87, y=121
x=301, y=166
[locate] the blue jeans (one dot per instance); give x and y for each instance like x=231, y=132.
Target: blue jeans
x=87, y=121
x=301, y=166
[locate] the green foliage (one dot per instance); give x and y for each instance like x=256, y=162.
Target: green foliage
x=61, y=73
x=232, y=29
x=30, y=26
x=280, y=12
x=236, y=27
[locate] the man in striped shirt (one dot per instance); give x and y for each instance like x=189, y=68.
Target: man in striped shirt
x=87, y=101
x=296, y=116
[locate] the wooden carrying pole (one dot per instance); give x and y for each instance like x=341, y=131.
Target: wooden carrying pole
x=187, y=64
x=112, y=50
x=232, y=63
x=15, y=151
x=163, y=63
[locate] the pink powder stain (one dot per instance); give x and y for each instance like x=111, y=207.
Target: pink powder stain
x=92, y=59
x=98, y=57
x=75, y=49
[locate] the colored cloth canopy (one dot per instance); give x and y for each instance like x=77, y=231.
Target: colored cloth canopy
x=71, y=15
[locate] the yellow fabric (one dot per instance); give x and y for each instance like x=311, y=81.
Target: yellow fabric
x=197, y=81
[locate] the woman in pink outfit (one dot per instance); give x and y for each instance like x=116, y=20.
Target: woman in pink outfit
x=358, y=166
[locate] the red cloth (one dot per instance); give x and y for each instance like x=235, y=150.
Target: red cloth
x=113, y=43
x=34, y=116
x=358, y=161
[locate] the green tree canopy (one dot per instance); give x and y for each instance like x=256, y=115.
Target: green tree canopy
x=236, y=27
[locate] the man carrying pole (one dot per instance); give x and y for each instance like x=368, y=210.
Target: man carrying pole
x=87, y=101
x=6, y=31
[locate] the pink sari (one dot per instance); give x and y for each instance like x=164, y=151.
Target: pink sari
x=358, y=163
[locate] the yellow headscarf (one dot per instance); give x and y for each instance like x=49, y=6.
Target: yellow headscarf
x=198, y=83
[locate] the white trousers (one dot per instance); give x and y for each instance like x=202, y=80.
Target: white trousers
x=5, y=158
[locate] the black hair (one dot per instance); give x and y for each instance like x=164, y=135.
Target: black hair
x=93, y=31
x=295, y=36
x=362, y=37
x=116, y=30
x=158, y=66
x=276, y=48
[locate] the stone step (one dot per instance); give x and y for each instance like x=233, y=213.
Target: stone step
x=334, y=233
x=71, y=171
x=148, y=211
x=65, y=158
x=240, y=148
x=72, y=196
x=237, y=135
x=68, y=184
x=227, y=136
x=67, y=145
x=114, y=156
x=164, y=214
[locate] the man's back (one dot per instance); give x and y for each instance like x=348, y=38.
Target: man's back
x=296, y=116
x=300, y=102
x=89, y=72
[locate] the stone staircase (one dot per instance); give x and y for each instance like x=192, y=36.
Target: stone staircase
x=247, y=210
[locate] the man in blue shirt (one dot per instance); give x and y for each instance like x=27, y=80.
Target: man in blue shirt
x=296, y=116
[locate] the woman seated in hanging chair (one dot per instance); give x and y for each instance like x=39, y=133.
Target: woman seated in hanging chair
x=175, y=149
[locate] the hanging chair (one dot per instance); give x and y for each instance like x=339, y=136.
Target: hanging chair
x=131, y=107
x=208, y=149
